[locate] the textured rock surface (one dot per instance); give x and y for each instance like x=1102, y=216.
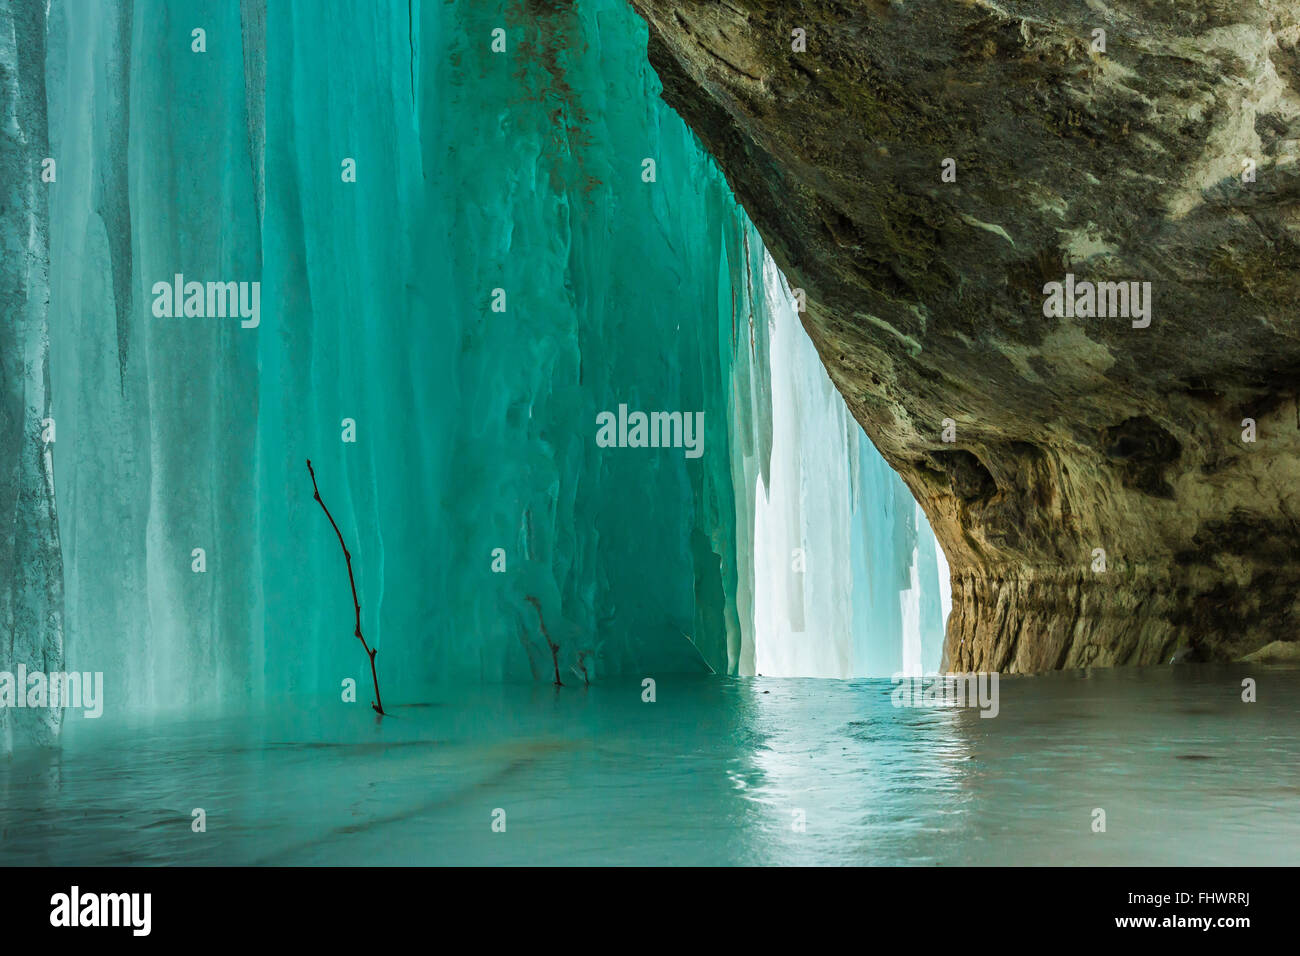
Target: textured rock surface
x=925, y=298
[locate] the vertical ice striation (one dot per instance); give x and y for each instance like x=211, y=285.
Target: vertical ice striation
x=849, y=580
x=483, y=179
x=803, y=573
x=31, y=576
x=476, y=229
x=157, y=417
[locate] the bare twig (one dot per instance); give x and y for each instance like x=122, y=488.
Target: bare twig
x=581, y=667
x=377, y=704
x=555, y=648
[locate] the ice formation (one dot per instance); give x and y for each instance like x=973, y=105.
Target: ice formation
x=468, y=245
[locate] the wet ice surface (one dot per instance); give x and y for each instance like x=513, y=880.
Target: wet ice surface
x=711, y=773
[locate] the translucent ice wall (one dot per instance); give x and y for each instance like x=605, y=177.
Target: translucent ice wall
x=847, y=577
x=531, y=239
x=31, y=576
x=477, y=230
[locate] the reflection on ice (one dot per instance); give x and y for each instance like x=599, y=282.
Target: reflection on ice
x=717, y=770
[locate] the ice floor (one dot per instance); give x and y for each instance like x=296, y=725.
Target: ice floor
x=713, y=772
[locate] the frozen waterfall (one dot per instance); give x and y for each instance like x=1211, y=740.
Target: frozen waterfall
x=848, y=578
x=466, y=256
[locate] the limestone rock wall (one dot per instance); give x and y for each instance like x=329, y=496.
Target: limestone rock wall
x=1169, y=158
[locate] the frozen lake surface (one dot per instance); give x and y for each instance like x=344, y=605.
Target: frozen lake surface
x=715, y=771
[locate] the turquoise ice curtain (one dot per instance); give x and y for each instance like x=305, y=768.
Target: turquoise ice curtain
x=431, y=247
